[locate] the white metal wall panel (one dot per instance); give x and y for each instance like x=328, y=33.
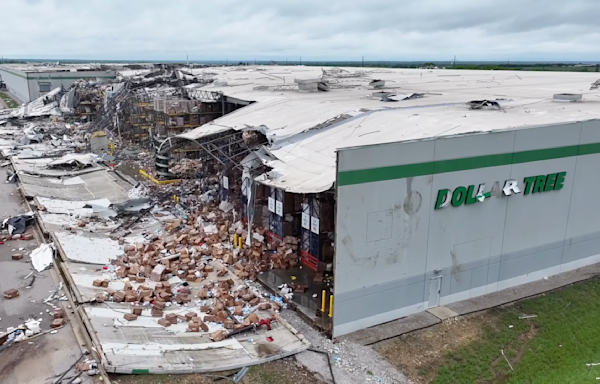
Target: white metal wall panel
x=390, y=241
x=16, y=84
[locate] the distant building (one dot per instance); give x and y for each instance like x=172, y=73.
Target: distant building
x=28, y=82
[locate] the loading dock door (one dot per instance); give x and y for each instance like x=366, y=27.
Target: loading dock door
x=435, y=286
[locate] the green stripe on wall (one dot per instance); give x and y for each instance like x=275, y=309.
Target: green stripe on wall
x=443, y=166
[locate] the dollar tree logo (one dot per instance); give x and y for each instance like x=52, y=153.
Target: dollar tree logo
x=477, y=194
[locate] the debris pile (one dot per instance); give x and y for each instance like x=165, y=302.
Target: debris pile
x=186, y=167
x=17, y=225
x=41, y=138
x=202, y=263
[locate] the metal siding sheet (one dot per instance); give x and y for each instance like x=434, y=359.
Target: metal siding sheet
x=86, y=187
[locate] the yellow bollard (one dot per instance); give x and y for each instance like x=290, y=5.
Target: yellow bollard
x=331, y=306
x=241, y=242
x=235, y=239
x=323, y=301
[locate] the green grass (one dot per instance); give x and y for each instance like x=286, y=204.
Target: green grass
x=10, y=103
x=554, y=347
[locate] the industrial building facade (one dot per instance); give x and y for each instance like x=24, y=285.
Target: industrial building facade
x=28, y=83
x=373, y=201
x=430, y=222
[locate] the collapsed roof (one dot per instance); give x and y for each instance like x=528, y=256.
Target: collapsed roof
x=305, y=128
x=306, y=113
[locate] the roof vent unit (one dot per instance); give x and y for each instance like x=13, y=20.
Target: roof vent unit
x=377, y=84
x=220, y=83
x=261, y=88
x=308, y=85
x=567, y=97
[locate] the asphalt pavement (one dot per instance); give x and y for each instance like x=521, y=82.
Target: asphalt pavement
x=31, y=361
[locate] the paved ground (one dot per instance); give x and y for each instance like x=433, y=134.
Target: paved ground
x=3, y=104
x=36, y=360
x=352, y=363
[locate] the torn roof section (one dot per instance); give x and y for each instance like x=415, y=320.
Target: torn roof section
x=305, y=129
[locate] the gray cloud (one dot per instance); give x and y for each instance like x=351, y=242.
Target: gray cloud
x=275, y=29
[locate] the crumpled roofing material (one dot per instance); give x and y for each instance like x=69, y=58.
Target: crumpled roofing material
x=37, y=108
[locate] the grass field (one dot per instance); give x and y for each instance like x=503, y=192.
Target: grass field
x=10, y=103
x=553, y=347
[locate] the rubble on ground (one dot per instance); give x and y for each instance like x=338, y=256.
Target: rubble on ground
x=189, y=261
x=186, y=167
x=206, y=248
x=32, y=327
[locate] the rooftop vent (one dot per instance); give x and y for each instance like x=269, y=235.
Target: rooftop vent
x=569, y=97
x=484, y=104
x=377, y=84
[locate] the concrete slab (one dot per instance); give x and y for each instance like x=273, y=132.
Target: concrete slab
x=31, y=361
x=12, y=272
x=34, y=361
x=442, y=312
x=392, y=329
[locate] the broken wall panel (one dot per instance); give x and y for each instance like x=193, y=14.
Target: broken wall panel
x=157, y=350
x=83, y=187
x=88, y=248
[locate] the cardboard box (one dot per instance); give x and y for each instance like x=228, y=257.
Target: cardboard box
x=11, y=293
x=164, y=322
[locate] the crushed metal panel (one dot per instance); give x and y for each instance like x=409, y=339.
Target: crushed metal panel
x=71, y=207
x=90, y=186
x=56, y=214
x=80, y=159
x=159, y=350
x=57, y=222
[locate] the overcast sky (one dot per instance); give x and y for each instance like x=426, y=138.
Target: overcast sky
x=314, y=29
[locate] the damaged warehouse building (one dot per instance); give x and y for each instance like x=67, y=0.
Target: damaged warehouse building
x=30, y=81
x=355, y=197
